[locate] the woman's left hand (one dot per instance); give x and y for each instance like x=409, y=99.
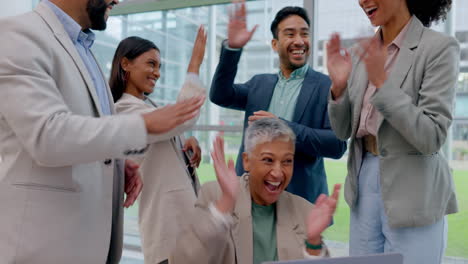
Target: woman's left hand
x=192, y=144
x=374, y=55
x=321, y=215
x=198, y=52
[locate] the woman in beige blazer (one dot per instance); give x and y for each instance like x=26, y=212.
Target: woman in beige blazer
x=393, y=97
x=251, y=219
x=168, y=167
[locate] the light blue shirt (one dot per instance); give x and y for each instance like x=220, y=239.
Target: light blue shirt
x=83, y=41
x=283, y=101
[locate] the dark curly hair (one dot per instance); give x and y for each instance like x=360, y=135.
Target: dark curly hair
x=285, y=13
x=429, y=11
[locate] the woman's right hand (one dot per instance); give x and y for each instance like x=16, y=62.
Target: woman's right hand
x=198, y=52
x=338, y=64
x=226, y=176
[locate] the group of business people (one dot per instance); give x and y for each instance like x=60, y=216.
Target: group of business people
x=78, y=142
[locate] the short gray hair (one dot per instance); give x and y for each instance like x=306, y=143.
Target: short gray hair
x=267, y=130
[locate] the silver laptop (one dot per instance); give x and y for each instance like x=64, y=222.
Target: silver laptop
x=392, y=258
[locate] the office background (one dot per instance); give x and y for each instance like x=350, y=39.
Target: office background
x=172, y=25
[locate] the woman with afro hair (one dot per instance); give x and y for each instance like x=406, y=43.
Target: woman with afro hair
x=392, y=95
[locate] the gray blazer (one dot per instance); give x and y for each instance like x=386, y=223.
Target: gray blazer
x=416, y=104
x=60, y=202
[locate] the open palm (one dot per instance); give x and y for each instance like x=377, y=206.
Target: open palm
x=238, y=35
x=225, y=174
x=321, y=215
x=198, y=52
x=338, y=62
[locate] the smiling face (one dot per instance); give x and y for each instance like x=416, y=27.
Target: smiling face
x=98, y=12
x=383, y=12
x=143, y=72
x=293, y=43
x=270, y=165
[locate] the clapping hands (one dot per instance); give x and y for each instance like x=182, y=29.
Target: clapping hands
x=321, y=215
x=338, y=64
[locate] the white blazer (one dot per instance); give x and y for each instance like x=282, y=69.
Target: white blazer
x=169, y=192
x=58, y=196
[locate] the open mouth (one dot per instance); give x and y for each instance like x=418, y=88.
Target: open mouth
x=370, y=11
x=298, y=53
x=272, y=186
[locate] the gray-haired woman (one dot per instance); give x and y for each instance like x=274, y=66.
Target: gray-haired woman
x=252, y=219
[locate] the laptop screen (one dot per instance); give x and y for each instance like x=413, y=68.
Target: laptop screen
x=392, y=258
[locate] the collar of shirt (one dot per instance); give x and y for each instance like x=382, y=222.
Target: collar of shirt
x=296, y=74
x=398, y=41
x=73, y=29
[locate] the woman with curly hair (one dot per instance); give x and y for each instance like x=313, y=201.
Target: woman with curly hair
x=392, y=96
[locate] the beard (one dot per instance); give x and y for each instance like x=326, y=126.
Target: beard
x=97, y=14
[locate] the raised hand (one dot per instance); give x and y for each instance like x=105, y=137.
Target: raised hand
x=338, y=64
x=238, y=35
x=226, y=176
x=168, y=117
x=321, y=215
x=198, y=52
x=374, y=55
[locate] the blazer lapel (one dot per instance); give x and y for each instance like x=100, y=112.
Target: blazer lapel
x=266, y=92
x=288, y=230
x=242, y=229
x=308, y=90
x=357, y=95
x=63, y=38
x=405, y=58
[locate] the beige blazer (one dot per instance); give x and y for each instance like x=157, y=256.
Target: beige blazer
x=203, y=241
x=416, y=104
x=59, y=199
x=168, y=189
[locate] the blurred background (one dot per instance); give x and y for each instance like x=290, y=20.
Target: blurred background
x=172, y=25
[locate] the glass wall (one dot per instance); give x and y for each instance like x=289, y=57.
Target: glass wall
x=10, y=8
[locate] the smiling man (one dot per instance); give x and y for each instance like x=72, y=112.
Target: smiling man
x=64, y=173
x=296, y=94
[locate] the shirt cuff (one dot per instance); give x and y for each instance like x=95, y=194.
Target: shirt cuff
x=226, y=46
x=191, y=76
x=323, y=253
x=192, y=87
x=221, y=220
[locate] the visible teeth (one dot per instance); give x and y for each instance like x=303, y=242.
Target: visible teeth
x=298, y=52
x=370, y=10
x=274, y=183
